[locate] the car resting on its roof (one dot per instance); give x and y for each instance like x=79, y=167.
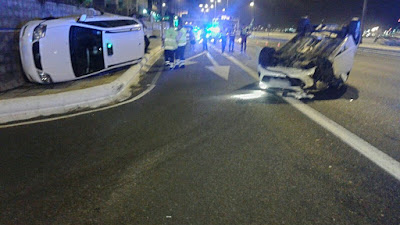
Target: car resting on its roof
x=317, y=58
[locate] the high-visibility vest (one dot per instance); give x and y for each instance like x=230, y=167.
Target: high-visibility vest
x=182, y=40
x=170, y=39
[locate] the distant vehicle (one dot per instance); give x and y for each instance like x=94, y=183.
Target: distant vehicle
x=390, y=37
x=64, y=49
x=289, y=30
x=317, y=58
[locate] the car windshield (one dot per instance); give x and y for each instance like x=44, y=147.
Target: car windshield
x=86, y=50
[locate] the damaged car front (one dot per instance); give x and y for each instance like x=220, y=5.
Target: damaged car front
x=317, y=58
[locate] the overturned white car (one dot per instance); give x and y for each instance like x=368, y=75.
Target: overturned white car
x=317, y=58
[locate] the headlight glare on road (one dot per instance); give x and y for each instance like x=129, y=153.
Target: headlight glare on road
x=39, y=32
x=251, y=95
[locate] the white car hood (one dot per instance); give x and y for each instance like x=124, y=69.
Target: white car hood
x=55, y=53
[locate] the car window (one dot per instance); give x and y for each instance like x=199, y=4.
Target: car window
x=112, y=23
x=86, y=50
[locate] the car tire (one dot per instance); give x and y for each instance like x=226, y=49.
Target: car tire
x=266, y=57
x=341, y=81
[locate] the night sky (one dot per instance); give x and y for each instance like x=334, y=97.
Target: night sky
x=285, y=13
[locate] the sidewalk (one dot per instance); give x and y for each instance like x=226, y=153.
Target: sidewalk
x=33, y=100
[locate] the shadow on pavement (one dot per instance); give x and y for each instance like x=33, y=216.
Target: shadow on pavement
x=345, y=92
x=251, y=93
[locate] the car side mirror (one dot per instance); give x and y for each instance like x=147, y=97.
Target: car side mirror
x=82, y=18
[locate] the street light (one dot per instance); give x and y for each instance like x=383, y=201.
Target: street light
x=214, y=6
x=223, y=10
x=254, y=9
x=163, y=5
x=201, y=5
x=206, y=6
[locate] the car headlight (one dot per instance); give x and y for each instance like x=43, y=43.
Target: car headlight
x=39, y=32
x=44, y=77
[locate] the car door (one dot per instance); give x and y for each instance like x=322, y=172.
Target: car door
x=123, y=45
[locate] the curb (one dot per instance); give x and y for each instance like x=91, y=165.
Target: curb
x=34, y=106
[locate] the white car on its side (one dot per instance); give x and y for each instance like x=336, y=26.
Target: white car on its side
x=64, y=49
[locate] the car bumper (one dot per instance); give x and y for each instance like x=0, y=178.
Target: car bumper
x=26, y=52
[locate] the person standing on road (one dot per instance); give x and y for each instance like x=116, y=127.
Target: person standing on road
x=244, y=33
x=182, y=41
x=170, y=45
x=204, y=37
x=146, y=39
x=224, y=35
x=232, y=33
x=192, y=39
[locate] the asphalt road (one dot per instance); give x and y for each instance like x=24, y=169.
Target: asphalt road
x=200, y=149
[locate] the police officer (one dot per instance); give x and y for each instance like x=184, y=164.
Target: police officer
x=224, y=35
x=243, y=35
x=232, y=33
x=170, y=45
x=182, y=41
x=204, y=37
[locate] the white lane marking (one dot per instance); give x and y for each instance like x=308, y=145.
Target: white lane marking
x=195, y=56
x=378, y=157
x=222, y=71
x=249, y=71
x=145, y=92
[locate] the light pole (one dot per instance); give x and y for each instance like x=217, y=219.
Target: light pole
x=163, y=5
x=214, y=5
x=364, y=12
x=252, y=5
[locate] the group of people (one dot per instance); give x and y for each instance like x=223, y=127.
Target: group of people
x=174, y=46
x=229, y=34
x=175, y=41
